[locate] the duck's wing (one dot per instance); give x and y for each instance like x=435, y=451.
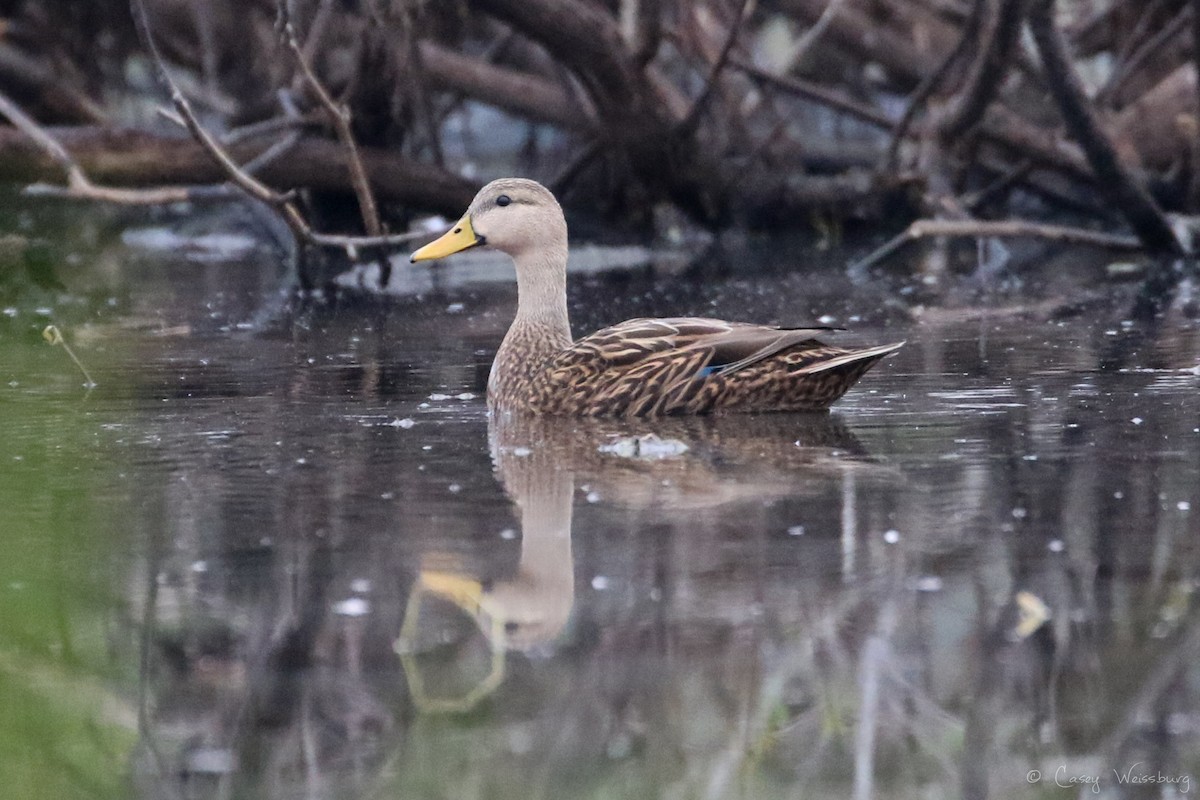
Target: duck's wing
x=645, y=365
x=722, y=346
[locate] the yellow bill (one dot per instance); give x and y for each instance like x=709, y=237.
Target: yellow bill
x=457, y=239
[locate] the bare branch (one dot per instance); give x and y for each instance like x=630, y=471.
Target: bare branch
x=239, y=177
x=815, y=93
x=19, y=71
x=1001, y=229
x=1111, y=93
x=814, y=33
x=30, y=128
x=1122, y=190
x=79, y=187
x=515, y=91
x=339, y=115
x=988, y=69
x=1194, y=189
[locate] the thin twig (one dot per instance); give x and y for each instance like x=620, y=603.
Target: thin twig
x=257, y=129
x=997, y=229
x=48, y=143
x=419, y=88
x=1001, y=184
x=339, y=115
x=689, y=123
x=316, y=29
x=1149, y=13
x=272, y=153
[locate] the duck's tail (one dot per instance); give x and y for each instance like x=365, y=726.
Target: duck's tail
x=863, y=358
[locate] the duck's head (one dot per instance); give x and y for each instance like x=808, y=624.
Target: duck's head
x=513, y=215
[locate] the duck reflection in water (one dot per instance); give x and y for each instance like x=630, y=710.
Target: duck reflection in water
x=687, y=463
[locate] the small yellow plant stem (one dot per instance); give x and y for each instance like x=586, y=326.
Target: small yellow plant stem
x=53, y=335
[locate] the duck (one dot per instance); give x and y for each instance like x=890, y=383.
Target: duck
x=641, y=367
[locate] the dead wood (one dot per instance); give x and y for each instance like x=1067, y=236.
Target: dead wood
x=522, y=93
x=132, y=157
x=589, y=42
x=649, y=101
x=79, y=186
x=1122, y=190
x=1002, y=229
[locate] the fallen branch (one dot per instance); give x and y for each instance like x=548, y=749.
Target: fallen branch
x=78, y=185
x=515, y=91
x=131, y=157
x=584, y=38
x=1000, y=229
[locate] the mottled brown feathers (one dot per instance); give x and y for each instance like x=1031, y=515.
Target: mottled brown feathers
x=683, y=366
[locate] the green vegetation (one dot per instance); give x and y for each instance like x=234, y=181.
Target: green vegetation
x=64, y=731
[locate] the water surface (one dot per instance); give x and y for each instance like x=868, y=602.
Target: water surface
x=282, y=550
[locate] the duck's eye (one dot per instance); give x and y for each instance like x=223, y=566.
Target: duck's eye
x=503, y=200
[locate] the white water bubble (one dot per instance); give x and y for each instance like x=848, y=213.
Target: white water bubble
x=352, y=607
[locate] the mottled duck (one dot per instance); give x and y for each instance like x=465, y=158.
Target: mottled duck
x=641, y=367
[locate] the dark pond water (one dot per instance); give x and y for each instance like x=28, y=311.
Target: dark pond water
x=284, y=552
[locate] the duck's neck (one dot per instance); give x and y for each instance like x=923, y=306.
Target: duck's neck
x=541, y=327
x=542, y=291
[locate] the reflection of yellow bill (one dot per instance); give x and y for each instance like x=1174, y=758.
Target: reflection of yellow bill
x=466, y=593
x=455, y=240
x=1032, y=614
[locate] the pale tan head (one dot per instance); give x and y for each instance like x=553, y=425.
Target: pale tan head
x=516, y=216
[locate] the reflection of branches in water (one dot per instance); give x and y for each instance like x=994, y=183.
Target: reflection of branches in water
x=721, y=653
